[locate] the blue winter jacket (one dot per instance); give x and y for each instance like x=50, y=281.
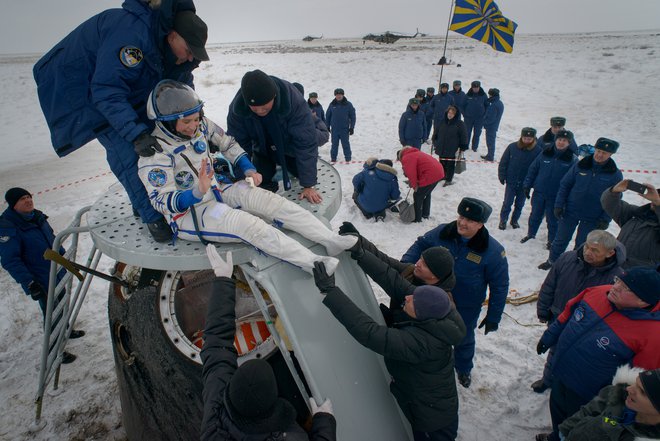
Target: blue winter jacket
x=376, y=186
x=22, y=246
x=291, y=130
x=317, y=109
x=494, y=112
x=548, y=169
x=340, y=116
x=592, y=338
x=515, y=162
x=425, y=105
x=570, y=275
x=581, y=187
x=412, y=127
x=439, y=105
x=98, y=78
x=479, y=263
x=475, y=105
x=459, y=99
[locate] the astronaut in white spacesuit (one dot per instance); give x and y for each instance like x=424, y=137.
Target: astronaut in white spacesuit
x=196, y=181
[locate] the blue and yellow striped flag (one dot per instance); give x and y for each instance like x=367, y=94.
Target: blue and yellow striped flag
x=483, y=21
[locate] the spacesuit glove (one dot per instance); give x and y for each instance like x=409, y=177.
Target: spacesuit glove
x=348, y=228
x=541, y=348
x=37, y=291
x=325, y=407
x=220, y=267
x=146, y=145
x=490, y=326
x=323, y=281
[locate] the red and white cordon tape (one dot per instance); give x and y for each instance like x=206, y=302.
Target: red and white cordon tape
x=70, y=184
x=477, y=161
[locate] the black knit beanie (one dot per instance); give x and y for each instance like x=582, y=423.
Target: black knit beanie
x=441, y=263
x=257, y=88
x=651, y=382
x=14, y=194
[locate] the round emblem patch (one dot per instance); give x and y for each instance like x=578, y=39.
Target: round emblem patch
x=130, y=56
x=4, y=239
x=184, y=180
x=157, y=177
x=578, y=314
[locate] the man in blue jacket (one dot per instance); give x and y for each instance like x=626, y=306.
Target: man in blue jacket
x=475, y=107
x=595, y=263
x=94, y=84
x=458, y=95
x=578, y=201
x=426, y=107
x=600, y=329
x=512, y=171
x=439, y=104
x=480, y=262
x=557, y=124
x=544, y=176
x=340, y=119
x=492, y=118
x=24, y=236
x=271, y=121
x=376, y=188
x=412, y=125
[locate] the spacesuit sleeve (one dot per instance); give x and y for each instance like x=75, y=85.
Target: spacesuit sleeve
x=157, y=175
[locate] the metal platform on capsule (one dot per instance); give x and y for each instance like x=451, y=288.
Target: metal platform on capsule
x=117, y=233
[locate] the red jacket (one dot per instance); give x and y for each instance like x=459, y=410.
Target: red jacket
x=420, y=168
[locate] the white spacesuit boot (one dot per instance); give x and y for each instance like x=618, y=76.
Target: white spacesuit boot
x=220, y=223
x=288, y=215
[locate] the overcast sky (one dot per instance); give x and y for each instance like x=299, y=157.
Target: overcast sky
x=29, y=26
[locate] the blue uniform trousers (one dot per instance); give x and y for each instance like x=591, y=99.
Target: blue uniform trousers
x=464, y=351
x=473, y=128
x=123, y=160
x=542, y=204
x=513, y=194
x=565, y=231
x=345, y=145
x=491, y=135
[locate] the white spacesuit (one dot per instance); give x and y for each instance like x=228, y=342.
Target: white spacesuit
x=231, y=210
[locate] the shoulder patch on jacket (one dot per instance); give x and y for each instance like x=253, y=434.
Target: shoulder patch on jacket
x=472, y=257
x=157, y=177
x=130, y=56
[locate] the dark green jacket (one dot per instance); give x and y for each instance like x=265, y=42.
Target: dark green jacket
x=601, y=420
x=418, y=354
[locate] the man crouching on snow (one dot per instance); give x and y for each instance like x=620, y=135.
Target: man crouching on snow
x=207, y=205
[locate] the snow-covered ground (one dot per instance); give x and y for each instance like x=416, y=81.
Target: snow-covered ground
x=604, y=84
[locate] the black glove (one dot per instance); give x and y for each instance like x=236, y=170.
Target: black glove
x=37, y=291
x=323, y=281
x=559, y=212
x=348, y=228
x=528, y=192
x=490, y=327
x=541, y=347
x=602, y=225
x=213, y=148
x=350, y=132
x=146, y=145
x=502, y=181
x=544, y=317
